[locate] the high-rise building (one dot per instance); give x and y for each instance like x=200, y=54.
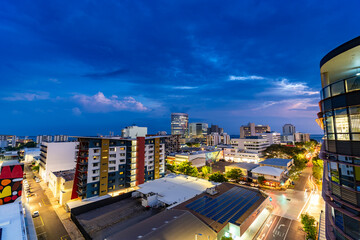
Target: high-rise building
x=215, y=129
x=288, y=129
x=340, y=117
x=272, y=137
x=112, y=164
x=198, y=129
x=179, y=124
x=251, y=130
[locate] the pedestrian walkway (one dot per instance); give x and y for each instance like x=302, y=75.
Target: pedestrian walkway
x=322, y=235
x=64, y=216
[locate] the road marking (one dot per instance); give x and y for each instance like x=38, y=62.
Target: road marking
x=288, y=229
x=40, y=204
x=64, y=237
x=40, y=233
x=42, y=221
x=277, y=225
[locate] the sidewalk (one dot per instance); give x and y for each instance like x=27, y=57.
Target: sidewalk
x=64, y=216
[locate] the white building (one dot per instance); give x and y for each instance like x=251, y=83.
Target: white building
x=7, y=141
x=237, y=155
x=288, y=129
x=12, y=221
x=134, y=132
x=215, y=139
x=272, y=137
x=56, y=156
x=269, y=173
x=253, y=144
x=31, y=153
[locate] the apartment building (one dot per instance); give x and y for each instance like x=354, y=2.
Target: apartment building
x=253, y=144
x=251, y=130
x=56, y=156
x=272, y=137
x=339, y=116
x=7, y=141
x=179, y=124
x=112, y=165
x=215, y=139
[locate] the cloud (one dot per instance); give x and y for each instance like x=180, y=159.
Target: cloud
x=286, y=88
x=115, y=73
x=100, y=103
x=184, y=87
x=54, y=80
x=76, y=111
x=244, y=78
x=28, y=96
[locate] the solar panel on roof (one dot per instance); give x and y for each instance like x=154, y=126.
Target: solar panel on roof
x=229, y=206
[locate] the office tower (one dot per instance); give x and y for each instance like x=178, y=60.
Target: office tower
x=112, y=165
x=179, y=124
x=340, y=117
x=288, y=129
x=215, y=129
x=251, y=130
x=198, y=129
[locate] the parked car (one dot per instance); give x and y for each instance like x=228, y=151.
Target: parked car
x=242, y=183
x=35, y=214
x=37, y=180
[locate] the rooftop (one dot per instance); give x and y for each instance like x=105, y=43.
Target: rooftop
x=245, y=165
x=266, y=170
x=12, y=223
x=276, y=161
x=9, y=163
x=68, y=175
x=175, y=188
x=231, y=203
x=177, y=224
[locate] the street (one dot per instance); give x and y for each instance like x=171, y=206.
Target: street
x=284, y=222
x=47, y=225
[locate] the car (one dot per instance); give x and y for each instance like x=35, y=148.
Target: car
x=35, y=214
x=242, y=183
x=37, y=180
x=25, y=181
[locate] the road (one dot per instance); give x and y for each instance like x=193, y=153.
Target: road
x=284, y=222
x=47, y=225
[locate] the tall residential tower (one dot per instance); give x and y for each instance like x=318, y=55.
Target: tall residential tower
x=340, y=118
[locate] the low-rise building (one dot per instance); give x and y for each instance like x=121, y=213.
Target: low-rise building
x=273, y=176
x=197, y=158
x=31, y=153
x=236, y=155
x=244, y=167
x=61, y=184
x=253, y=144
x=272, y=137
x=284, y=164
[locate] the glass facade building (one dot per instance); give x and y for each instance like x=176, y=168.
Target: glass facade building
x=179, y=124
x=339, y=116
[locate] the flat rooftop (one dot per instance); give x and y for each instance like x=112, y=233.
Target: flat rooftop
x=175, y=188
x=266, y=170
x=276, y=162
x=68, y=175
x=106, y=221
x=245, y=165
x=12, y=223
x=232, y=203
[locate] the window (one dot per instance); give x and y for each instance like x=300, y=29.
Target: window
x=95, y=164
x=121, y=173
x=353, y=84
x=355, y=119
x=122, y=149
x=122, y=154
x=337, y=88
x=342, y=124
x=95, y=178
x=326, y=92
x=94, y=192
x=112, y=168
x=95, y=185
x=112, y=155
x=112, y=149
x=334, y=172
x=96, y=150
x=112, y=162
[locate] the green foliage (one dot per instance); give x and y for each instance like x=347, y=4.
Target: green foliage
x=206, y=170
x=218, y=177
x=297, y=153
x=309, y=226
x=187, y=169
x=261, y=180
x=234, y=174
x=226, y=238
x=170, y=167
x=318, y=167
x=35, y=168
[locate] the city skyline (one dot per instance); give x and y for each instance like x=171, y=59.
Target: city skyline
x=91, y=68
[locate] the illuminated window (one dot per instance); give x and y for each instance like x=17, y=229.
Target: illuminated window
x=341, y=121
x=353, y=84
x=337, y=88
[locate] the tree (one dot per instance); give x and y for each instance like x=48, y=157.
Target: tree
x=317, y=168
x=309, y=226
x=187, y=169
x=35, y=168
x=234, y=174
x=226, y=238
x=261, y=180
x=206, y=170
x=218, y=177
x=170, y=167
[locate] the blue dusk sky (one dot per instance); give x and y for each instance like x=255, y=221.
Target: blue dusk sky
x=88, y=67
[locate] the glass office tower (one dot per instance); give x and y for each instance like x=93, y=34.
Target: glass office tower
x=179, y=124
x=340, y=118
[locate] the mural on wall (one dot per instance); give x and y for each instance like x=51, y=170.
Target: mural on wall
x=10, y=183
x=214, y=156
